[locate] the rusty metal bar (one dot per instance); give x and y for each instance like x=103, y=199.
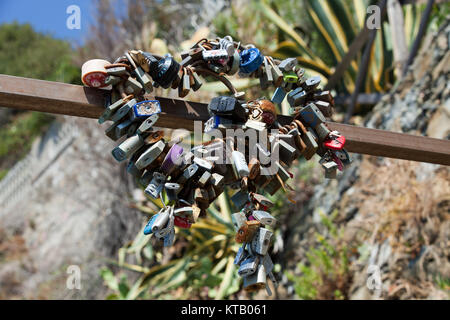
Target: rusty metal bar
x=67, y=99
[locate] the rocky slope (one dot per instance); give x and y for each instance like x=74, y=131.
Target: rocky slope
x=75, y=213
x=394, y=214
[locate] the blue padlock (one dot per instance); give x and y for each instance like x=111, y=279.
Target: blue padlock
x=251, y=59
x=145, y=109
x=148, y=227
x=278, y=95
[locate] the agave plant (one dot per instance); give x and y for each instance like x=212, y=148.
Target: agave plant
x=319, y=33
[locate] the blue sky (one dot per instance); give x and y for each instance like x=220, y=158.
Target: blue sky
x=49, y=16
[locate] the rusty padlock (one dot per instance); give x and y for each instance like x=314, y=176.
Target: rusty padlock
x=247, y=231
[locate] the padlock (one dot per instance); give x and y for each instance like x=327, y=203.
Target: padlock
x=241, y=255
x=144, y=109
x=278, y=95
x=240, y=164
x=251, y=59
x=248, y=266
x=261, y=241
x=188, y=173
x=256, y=281
x=161, y=220
x=144, y=79
x=330, y=169
x=204, y=178
x=128, y=147
x=273, y=186
x=131, y=130
x=254, y=168
x=267, y=263
x=203, y=164
x=133, y=170
x=123, y=111
x=182, y=222
x=185, y=213
x=165, y=71
x=311, y=115
x=201, y=198
x=239, y=199
x=147, y=124
x=268, y=70
x=218, y=182
x=149, y=225
x=322, y=131
x=118, y=71
x=282, y=172
x=197, y=82
x=335, y=142
x=287, y=152
x=109, y=111
x=312, y=83
x=172, y=159
x=276, y=73
x=287, y=64
x=111, y=131
x=290, y=77
x=150, y=155
x=343, y=156
x=122, y=128
x=234, y=63
x=112, y=80
x=93, y=73
x=146, y=178
x=263, y=82
x=172, y=190
x=165, y=230
x=133, y=86
x=264, y=217
x=226, y=106
x=247, y=231
x=227, y=44
x=238, y=220
x=296, y=97
x=155, y=186
x=185, y=84
x=261, y=200
x=324, y=107
x=214, y=55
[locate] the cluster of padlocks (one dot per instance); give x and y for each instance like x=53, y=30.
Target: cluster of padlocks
x=190, y=180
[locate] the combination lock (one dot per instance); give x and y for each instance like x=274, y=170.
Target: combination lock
x=166, y=71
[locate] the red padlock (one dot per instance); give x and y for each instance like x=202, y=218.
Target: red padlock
x=335, y=143
x=93, y=73
x=182, y=222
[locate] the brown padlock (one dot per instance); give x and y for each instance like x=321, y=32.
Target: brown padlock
x=247, y=231
x=201, y=198
x=254, y=167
